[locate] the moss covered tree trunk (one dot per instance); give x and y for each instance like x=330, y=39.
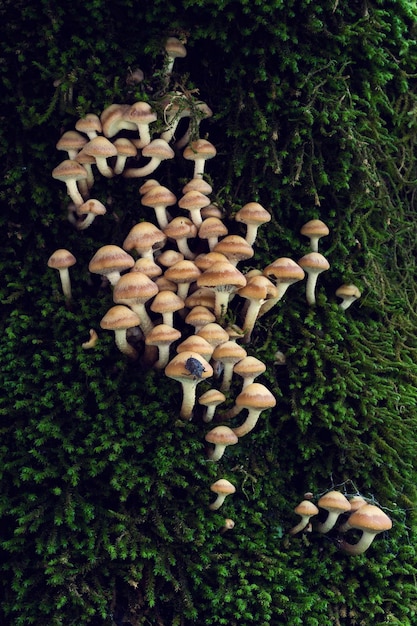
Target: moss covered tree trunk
x=105, y=490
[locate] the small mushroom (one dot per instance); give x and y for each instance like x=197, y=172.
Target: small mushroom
x=349, y=295
x=110, y=261
x=314, y=230
x=61, y=260
x=119, y=318
x=306, y=509
x=255, y=398
x=371, y=520
x=211, y=400
x=222, y=488
x=313, y=264
x=70, y=172
x=253, y=215
x=199, y=151
x=177, y=370
x=221, y=437
x=335, y=503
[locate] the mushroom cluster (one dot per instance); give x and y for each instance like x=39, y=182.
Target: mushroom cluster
x=342, y=515
x=179, y=283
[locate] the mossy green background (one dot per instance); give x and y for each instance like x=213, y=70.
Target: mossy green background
x=104, y=496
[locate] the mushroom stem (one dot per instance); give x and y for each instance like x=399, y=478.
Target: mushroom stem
x=65, y=282
x=359, y=547
x=249, y=423
x=221, y=497
x=189, y=395
x=122, y=343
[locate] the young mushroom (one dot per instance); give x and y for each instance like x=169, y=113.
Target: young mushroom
x=90, y=209
x=119, y=318
x=199, y=151
x=135, y=289
x=349, y=295
x=61, y=260
x=70, y=172
x=224, y=279
x=222, y=488
x=306, y=509
x=255, y=398
x=335, y=503
x=157, y=150
x=253, y=215
x=179, y=369
x=369, y=519
x=162, y=336
x=313, y=264
x=221, y=437
x=211, y=400
x=314, y=230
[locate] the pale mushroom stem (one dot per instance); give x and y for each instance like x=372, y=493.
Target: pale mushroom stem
x=221, y=302
x=221, y=497
x=251, y=317
x=139, y=172
x=85, y=223
x=123, y=344
x=227, y=376
x=311, y=288
x=268, y=304
x=209, y=413
x=329, y=522
x=359, y=547
x=217, y=452
x=199, y=168
x=74, y=192
x=65, y=282
x=249, y=423
x=146, y=323
x=302, y=524
x=189, y=396
x=163, y=357
x=251, y=233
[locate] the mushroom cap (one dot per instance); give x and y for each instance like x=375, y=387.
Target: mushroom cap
x=125, y=147
x=258, y=288
x=223, y=486
x=193, y=200
x=169, y=257
x=314, y=262
x=147, y=186
x=201, y=297
x=89, y=123
x=206, y=259
x=110, y=258
x=140, y=113
x=348, y=291
x=284, y=270
x=356, y=502
x=166, y=302
x=199, y=149
x=112, y=119
x=370, y=518
x=61, y=259
x=99, y=147
x=229, y=352
x=144, y=236
x=221, y=274
x=184, y=271
x=119, y=317
x=69, y=170
x=92, y=206
x=175, y=48
x=134, y=287
x=306, y=507
x=213, y=333
x=253, y=213
x=249, y=366
x=162, y=335
x=196, y=343
x=235, y=248
x=198, y=184
x=177, y=370
x=212, y=397
x=314, y=228
x=180, y=227
x=159, y=149
x=255, y=396
x=200, y=316
x=222, y=435
x=212, y=227
x=334, y=501
x=158, y=195
x=71, y=140
x=147, y=266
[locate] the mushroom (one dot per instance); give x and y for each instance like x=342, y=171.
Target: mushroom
x=249, y=368
x=221, y=437
x=314, y=264
x=193, y=201
x=196, y=343
x=222, y=488
x=157, y=150
x=90, y=208
x=101, y=149
x=90, y=124
x=211, y=229
x=135, y=289
x=70, y=172
x=314, y=230
x=257, y=291
x=125, y=149
x=253, y=215
x=234, y=248
x=183, y=273
x=112, y=120
x=356, y=502
x=199, y=151
x=119, y=318
x=61, y=260
x=162, y=336
x=71, y=142
x=92, y=341
x=255, y=398
x=141, y=115
x=174, y=49
x=335, y=503
x=166, y=303
x=228, y=354
x=349, y=295
x=228, y=525
x=211, y=400
x=371, y=520
x=144, y=238
x=181, y=229
x=199, y=316
x=306, y=509
x=159, y=198
x=109, y=261
x=224, y=279
x=177, y=369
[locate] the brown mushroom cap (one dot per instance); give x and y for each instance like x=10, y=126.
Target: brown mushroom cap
x=335, y=503
x=72, y=142
x=221, y=437
x=371, y=520
x=61, y=258
x=70, y=172
x=119, y=317
x=109, y=261
x=90, y=124
x=314, y=229
x=253, y=215
x=144, y=238
x=223, y=486
x=234, y=248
